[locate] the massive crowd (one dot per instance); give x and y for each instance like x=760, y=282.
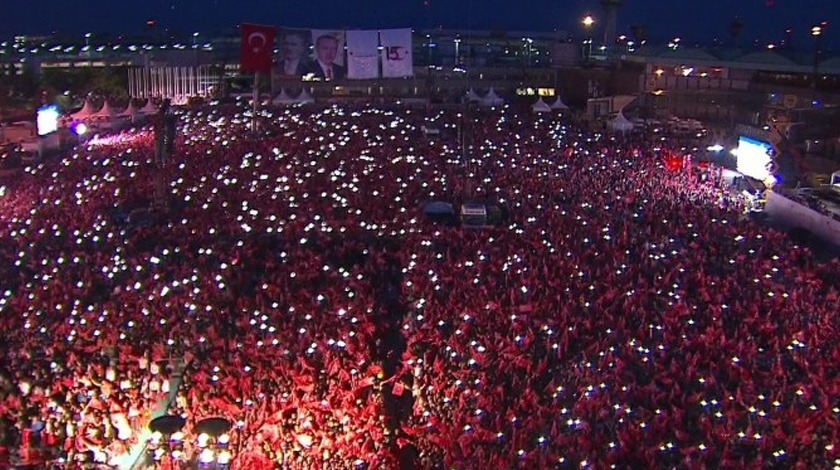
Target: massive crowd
x=623, y=314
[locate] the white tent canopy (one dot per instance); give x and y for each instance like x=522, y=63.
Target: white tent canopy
x=105, y=112
x=492, y=99
x=149, y=108
x=305, y=97
x=282, y=98
x=541, y=106
x=559, y=104
x=130, y=110
x=85, y=112
x=473, y=96
x=619, y=124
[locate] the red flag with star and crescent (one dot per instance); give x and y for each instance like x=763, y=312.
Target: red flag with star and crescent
x=257, y=47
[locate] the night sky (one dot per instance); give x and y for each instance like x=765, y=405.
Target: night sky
x=697, y=21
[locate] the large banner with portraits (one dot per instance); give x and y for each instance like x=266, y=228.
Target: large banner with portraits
x=317, y=54
x=328, y=55
x=295, y=59
x=362, y=54
x=397, y=60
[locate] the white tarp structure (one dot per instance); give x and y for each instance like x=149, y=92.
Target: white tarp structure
x=619, y=124
x=106, y=112
x=492, y=99
x=473, y=96
x=150, y=108
x=304, y=97
x=282, y=98
x=397, y=59
x=362, y=54
x=130, y=110
x=559, y=104
x=85, y=112
x=541, y=106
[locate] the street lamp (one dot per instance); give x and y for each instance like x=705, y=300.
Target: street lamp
x=588, y=21
x=817, y=31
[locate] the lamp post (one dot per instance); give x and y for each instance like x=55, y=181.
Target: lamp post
x=588, y=21
x=816, y=32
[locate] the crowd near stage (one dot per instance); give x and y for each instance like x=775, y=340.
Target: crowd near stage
x=290, y=305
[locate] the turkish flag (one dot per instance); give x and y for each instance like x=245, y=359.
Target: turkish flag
x=257, y=47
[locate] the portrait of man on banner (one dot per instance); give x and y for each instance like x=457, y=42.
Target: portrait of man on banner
x=294, y=59
x=329, y=55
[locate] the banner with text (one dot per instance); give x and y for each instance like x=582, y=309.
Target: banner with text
x=397, y=60
x=362, y=56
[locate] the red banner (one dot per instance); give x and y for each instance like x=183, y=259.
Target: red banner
x=257, y=47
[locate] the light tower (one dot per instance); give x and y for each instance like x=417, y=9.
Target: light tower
x=610, y=24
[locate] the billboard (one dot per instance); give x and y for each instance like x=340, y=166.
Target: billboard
x=754, y=158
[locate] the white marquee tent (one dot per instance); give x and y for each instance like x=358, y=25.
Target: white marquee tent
x=130, y=110
x=559, y=104
x=282, y=98
x=619, y=124
x=304, y=97
x=106, y=112
x=149, y=108
x=541, y=106
x=492, y=99
x=85, y=112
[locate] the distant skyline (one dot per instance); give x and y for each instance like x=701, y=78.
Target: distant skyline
x=695, y=21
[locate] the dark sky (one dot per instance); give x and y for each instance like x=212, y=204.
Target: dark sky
x=693, y=20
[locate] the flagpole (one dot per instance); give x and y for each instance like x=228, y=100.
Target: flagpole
x=256, y=97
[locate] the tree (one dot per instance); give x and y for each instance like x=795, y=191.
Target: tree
x=110, y=82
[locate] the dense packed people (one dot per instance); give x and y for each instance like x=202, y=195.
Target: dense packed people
x=623, y=314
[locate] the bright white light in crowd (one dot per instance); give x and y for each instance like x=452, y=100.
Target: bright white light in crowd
x=206, y=456
x=753, y=158
x=715, y=148
x=80, y=129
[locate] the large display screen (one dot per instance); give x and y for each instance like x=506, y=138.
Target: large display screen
x=754, y=159
x=47, y=120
